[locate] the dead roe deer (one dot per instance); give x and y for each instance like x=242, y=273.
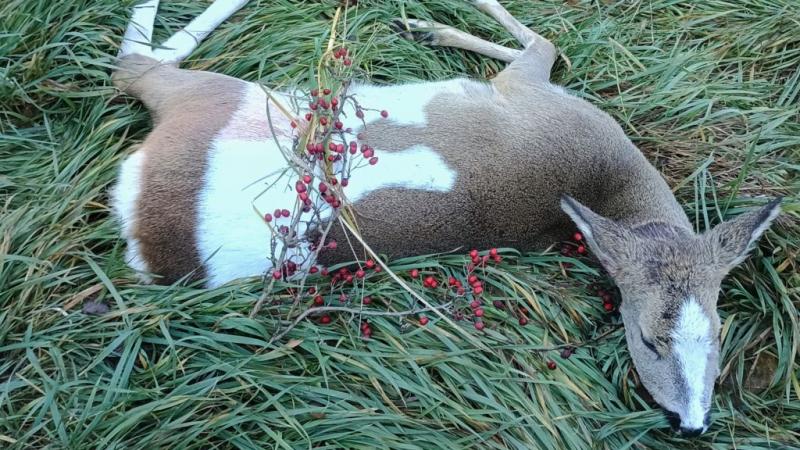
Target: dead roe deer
x=464, y=164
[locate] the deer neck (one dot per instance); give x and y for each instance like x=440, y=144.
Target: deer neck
x=637, y=194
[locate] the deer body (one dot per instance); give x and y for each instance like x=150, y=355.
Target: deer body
x=462, y=163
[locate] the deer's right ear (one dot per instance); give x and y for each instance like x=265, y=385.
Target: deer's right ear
x=608, y=240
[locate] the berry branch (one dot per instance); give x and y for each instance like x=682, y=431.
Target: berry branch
x=353, y=311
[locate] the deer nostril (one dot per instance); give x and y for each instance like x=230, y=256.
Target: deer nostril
x=691, y=432
x=674, y=419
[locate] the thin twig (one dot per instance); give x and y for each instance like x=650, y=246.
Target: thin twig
x=342, y=309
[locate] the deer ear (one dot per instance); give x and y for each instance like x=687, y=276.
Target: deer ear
x=607, y=239
x=734, y=238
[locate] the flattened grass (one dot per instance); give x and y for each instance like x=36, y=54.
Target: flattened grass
x=709, y=90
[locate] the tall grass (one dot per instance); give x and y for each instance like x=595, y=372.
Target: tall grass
x=709, y=90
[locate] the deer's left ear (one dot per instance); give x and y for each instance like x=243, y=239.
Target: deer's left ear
x=734, y=238
x=609, y=241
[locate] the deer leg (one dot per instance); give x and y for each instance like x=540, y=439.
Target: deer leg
x=540, y=53
x=139, y=34
x=182, y=43
x=495, y=10
x=434, y=33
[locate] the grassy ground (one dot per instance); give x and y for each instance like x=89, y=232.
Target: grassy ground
x=709, y=90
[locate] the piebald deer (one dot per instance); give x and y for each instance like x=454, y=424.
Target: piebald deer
x=449, y=150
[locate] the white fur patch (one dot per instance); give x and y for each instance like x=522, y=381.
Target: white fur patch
x=232, y=238
x=417, y=167
x=405, y=103
x=124, y=197
x=692, y=344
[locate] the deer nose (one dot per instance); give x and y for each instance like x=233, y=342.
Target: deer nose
x=691, y=432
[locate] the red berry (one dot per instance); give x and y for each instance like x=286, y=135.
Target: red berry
x=307, y=179
x=479, y=325
x=313, y=269
x=414, y=273
x=373, y=161
x=309, y=116
x=366, y=300
x=493, y=252
x=268, y=217
x=325, y=320
x=347, y=62
x=370, y=264
x=384, y=113
x=473, y=253
x=577, y=237
x=318, y=300
x=345, y=182
x=479, y=312
x=300, y=186
x=277, y=275
x=323, y=187
x=423, y=320
x=551, y=365
x=314, y=92
x=360, y=273
x=324, y=272
x=360, y=115
x=285, y=213
x=523, y=321
x=339, y=125
x=477, y=290
x=608, y=306
x=332, y=245
x=475, y=304
x=294, y=124
x=581, y=249
x=326, y=91
x=368, y=153
x=323, y=121
x=452, y=281
x=472, y=279
x=334, y=101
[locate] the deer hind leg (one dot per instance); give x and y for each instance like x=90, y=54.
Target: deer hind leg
x=536, y=60
x=138, y=35
x=437, y=34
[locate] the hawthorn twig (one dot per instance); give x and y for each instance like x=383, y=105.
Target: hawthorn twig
x=343, y=309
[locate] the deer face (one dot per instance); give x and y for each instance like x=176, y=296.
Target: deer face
x=669, y=278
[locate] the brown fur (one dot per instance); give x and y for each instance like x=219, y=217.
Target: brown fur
x=189, y=108
x=516, y=146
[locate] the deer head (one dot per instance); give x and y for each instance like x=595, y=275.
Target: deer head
x=669, y=278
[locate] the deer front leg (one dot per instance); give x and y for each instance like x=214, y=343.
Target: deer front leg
x=434, y=33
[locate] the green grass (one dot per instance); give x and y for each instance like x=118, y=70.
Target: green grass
x=708, y=90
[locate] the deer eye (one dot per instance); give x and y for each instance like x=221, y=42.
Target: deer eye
x=649, y=345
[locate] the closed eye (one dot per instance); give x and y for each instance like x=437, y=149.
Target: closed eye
x=650, y=346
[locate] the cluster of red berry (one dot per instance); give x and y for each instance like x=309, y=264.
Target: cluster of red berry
x=325, y=155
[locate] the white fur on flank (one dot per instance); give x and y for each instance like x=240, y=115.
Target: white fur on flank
x=234, y=241
x=692, y=345
x=232, y=238
x=417, y=167
x=124, y=197
x=405, y=103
